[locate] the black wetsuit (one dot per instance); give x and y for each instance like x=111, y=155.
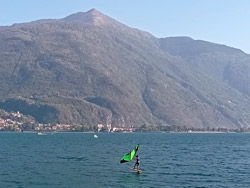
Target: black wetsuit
x=137, y=163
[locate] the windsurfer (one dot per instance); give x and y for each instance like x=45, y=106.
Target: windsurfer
x=137, y=163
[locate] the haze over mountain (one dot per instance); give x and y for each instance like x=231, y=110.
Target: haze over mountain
x=87, y=68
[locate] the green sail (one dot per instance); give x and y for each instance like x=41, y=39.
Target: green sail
x=130, y=155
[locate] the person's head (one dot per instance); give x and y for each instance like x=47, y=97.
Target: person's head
x=136, y=156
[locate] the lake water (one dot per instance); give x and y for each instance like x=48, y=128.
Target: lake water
x=77, y=160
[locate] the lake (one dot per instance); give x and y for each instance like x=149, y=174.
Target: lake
x=77, y=160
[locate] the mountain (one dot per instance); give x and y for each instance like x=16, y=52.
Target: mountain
x=88, y=68
x=224, y=64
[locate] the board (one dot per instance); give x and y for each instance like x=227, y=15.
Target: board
x=137, y=170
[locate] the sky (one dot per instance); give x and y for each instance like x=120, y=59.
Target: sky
x=220, y=21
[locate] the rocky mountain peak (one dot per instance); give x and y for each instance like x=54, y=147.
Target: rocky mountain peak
x=92, y=16
x=94, y=11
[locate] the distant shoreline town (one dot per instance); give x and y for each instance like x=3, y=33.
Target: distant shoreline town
x=17, y=122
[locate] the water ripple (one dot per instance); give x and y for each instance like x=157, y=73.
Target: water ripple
x=167, y=160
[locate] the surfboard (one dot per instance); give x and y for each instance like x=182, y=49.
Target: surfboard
x=137, y=170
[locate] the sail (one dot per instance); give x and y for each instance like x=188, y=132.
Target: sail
x=130, y=155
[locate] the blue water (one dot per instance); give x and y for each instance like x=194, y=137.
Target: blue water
x=76, y=160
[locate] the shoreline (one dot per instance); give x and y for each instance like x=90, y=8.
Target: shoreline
x=153, y=132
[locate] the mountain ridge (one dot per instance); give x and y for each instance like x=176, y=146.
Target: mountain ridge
x=91, y=72
x=92, y=16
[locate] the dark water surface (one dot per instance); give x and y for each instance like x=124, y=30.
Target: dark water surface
x=76, y=160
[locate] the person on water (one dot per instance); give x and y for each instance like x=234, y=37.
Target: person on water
x=137, y=163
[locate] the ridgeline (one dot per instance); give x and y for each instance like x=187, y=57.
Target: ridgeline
x=88, y=69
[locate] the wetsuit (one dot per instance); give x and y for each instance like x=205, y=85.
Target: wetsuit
x=137, y=163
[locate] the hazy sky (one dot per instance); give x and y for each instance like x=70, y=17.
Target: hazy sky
x=220, y=21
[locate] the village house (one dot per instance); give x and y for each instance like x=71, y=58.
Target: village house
x=100, y=126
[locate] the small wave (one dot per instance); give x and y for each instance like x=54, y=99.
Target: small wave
x=73, y=158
